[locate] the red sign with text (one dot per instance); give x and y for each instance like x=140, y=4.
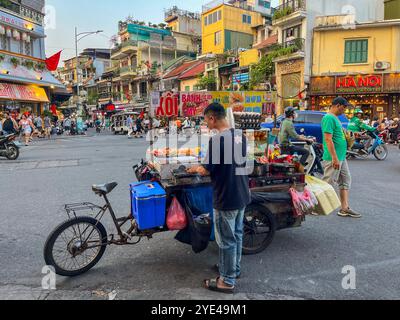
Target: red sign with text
x=169, y=105
x=356, y=84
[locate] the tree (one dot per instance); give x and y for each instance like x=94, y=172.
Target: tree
x=262, y=71
x=206, y=82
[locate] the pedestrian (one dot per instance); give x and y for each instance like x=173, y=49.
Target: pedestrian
x=26, y=126
x=39, y=125
x=67, y=125
x=337, y=172
x=231, y=195
x=47, y=127
x=139, y=127
x=129, y=124
x=10, y=126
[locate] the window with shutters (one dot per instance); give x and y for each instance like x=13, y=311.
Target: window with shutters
x=356, y=51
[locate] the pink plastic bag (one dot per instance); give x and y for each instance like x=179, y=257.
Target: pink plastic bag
x=176, y=219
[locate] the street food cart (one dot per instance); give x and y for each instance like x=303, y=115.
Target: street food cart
x=164, y=177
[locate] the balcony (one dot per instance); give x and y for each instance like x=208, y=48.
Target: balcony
x=291, y=11
x=291, y=49
x=127, y=72
x=23, y=11
x=124, y=49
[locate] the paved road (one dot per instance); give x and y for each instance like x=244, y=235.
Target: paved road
x=304, y=263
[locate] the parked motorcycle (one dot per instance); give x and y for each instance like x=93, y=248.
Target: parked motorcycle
x=8, y=148
x=378, y=148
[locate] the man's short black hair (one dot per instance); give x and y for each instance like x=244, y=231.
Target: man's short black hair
x=216, y=110
x=341, y=101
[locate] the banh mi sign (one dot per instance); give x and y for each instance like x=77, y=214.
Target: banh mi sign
x=359, y=84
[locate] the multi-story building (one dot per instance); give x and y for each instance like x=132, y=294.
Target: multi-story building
x=141, y=56
x=25, y=82
x=294, y=21
x=361, y=64
x=183, y=21
x=392, y=9
x=229, y=25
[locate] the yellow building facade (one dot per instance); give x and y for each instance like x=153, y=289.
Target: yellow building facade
x=227, y=27
x=361, y=63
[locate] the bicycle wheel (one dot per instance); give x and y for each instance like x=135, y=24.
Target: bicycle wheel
x=75, y=246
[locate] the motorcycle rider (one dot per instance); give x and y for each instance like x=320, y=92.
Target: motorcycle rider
x=287, y=132
x=357, y=126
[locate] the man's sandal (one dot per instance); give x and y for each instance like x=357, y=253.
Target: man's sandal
x=212, y=285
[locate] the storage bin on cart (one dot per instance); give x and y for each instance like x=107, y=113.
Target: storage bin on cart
x=149, y=201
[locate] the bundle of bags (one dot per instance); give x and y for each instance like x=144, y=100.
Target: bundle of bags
x=318, y=198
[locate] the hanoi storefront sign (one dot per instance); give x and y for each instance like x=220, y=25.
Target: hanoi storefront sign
x=359, y=84
x=355, y=84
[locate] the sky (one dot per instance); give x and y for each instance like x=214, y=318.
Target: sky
x=91, y=15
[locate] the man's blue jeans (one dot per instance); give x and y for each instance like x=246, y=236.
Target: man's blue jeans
x=229, y=237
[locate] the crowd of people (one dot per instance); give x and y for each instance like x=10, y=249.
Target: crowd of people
x=389, y=128
x=29, y=126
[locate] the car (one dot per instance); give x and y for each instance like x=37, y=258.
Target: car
x=307, y=123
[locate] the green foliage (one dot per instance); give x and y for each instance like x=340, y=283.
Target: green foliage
x=262, y=71
x=282, y=13
x=206, y=82
x=29, y=64
x=93, y=97
x=15, y=61
x=2, y=57
x=40, y=66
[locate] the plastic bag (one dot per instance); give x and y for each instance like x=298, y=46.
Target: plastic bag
x=176, y=219
x=303, y=202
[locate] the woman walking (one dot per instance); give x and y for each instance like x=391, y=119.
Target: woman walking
x=27, y=127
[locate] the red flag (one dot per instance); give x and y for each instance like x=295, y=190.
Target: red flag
x=53, y=109
x=142, y=115
x=300, y=95
x=53, y=61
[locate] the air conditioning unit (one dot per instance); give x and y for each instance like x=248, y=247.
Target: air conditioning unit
x=382, y=65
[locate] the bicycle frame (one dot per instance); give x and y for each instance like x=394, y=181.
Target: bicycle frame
x=72, y=209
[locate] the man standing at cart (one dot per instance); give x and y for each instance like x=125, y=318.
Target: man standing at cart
x=226, y=164
x=336, y=168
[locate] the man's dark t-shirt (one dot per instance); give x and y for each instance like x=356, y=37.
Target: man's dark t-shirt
x=8, y=126
x=226, y=162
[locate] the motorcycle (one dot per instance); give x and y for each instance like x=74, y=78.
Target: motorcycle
x=378, y=148
x=314, y=166
x=8, y=148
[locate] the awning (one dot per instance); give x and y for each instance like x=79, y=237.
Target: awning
x=23, y=74
x=9, y=91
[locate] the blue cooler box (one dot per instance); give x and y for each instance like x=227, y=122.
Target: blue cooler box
x=149, y=202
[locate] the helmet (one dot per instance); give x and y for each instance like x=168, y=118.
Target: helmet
x=358, y=111
x=289, y=112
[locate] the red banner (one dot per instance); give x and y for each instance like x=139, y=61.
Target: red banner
x=169, y=105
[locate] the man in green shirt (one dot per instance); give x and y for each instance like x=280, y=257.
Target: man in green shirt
x=357, y=126
x=337, y=171
x=288, y=132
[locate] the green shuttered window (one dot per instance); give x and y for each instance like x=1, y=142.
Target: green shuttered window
x=356, y=51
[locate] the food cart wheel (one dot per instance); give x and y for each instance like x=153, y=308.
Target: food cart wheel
x=75, y=246
x=259, y=229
